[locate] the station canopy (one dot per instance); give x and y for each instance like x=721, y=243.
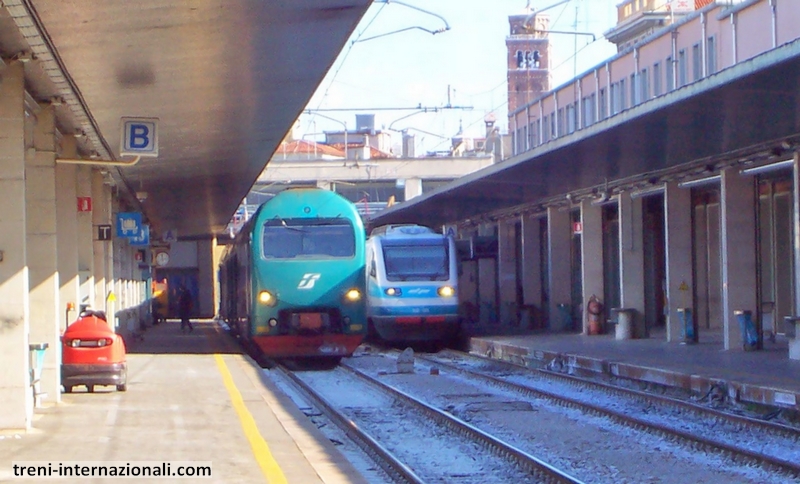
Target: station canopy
x=226, y=80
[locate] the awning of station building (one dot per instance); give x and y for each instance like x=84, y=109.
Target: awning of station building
x=747, y=111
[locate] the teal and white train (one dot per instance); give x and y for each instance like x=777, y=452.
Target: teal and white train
x=292, y=281
x=412, y=284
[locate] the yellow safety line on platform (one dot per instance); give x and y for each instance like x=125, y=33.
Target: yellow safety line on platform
x=269, y=467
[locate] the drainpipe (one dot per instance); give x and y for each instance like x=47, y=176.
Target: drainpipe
x=734, y=38
x=704, y=45
x=774, y=6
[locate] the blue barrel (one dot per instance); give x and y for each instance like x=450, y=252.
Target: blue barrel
x=688, y=326
x=564, y=316
x=748, y=329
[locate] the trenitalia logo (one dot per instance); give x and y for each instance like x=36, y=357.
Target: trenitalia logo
x=308, y=280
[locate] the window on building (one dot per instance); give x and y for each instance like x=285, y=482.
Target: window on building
x=523, y=139
x=711, y=60
x=616, y=104
x=561, y=128
x=670, y=67
x=545, y=131
x=634, y=91
x=682, y=68
x=520, y=59
x=657, y=79
x=571, y=119
x=553, y=132
x=603, y=105
x=644, y=85
x=697, y=63
x=588, y=111
x=531, y=135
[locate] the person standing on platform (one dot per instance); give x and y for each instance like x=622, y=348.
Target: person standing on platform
x=185, y=309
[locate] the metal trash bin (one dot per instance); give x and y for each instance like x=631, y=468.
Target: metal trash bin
x=748, y=329
x=625, y=322
x=37, y=363
x=688, y=326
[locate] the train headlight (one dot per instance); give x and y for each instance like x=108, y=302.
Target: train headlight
x=393, y=291
x=273, y=322
x=266, y=297
x=353, y=295
x=446, y=291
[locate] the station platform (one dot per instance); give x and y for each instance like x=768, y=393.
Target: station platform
x=764, y=376
x=191, y=397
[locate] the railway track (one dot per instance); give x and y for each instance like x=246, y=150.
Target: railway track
x=449, y=436
x=658, y=415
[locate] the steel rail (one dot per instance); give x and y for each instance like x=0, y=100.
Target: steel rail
x=390, y=464
x=537, y=467
x=738, y=454
x=772, y=428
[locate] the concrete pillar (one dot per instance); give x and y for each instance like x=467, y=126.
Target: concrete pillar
x=559, y=244
x=487, y=283
x=42, y=249
x=592, y=257
x=631, y=260
x=102, y=250
x=67, y=233
x=86, y=235
x=507, y=271
x=16, y=398
x=413, y=188
x=794, y=344
x=680, y=280
x=532, y=268
x=739, y=283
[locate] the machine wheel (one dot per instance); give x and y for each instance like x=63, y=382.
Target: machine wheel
x=122, y=387
x=90, y=388
x=67, y=388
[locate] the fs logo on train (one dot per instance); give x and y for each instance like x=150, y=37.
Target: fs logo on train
x=308, y=280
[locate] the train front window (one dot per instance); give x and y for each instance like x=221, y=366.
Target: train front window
x=428, y=262
x=308, y=239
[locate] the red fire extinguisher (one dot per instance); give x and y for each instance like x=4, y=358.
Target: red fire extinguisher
x=594, y=308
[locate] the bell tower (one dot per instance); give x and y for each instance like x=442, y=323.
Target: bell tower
x=528, y=58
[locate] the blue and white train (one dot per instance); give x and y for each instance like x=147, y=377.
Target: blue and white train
x=412, y=284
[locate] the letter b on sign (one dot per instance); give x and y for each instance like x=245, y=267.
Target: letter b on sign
x=139, y=137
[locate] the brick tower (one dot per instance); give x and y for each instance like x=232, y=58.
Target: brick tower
x=528, y=59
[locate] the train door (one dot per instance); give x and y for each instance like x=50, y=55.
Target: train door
x=775, y=252
x=655, y=270
x=706, y=228
x=611, y=274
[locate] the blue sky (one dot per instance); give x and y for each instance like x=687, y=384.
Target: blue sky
x=412, y=67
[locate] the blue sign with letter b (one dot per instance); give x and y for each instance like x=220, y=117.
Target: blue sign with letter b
x=139, y=137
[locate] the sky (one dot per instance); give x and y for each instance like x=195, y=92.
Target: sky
x=393, y=64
